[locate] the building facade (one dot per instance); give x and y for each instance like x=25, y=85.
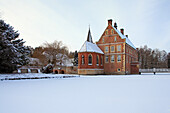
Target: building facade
x=117, y=53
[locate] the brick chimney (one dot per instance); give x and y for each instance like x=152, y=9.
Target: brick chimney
x=110, y=21
x=115, y=25
x=122, y=31
x=126, y=36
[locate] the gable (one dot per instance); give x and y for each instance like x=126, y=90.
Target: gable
x=109, y=35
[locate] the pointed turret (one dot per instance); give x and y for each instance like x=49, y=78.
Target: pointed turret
x=89, y=37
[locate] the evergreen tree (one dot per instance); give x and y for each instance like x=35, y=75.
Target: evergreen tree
x=13, y=53
x=75, y=62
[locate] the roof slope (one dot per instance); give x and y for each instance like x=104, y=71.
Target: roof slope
x=90, y=47
x=124, y=37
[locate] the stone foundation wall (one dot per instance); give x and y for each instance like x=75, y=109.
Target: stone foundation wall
x=90, y=71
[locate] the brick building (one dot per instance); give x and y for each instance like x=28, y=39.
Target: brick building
x=113, y=53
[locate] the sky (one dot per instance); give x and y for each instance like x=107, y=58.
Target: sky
x=146, y=22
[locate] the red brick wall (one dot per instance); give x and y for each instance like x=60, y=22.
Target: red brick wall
x=135, y=68
x=128, y=54
x=109, y=40
x=85, y=65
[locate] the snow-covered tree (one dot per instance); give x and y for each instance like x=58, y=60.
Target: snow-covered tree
x=56, y=52
x=13, y=53
x=75, y=62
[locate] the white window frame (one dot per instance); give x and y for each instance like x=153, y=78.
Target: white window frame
x=107, y=61
x=112, y=59
x=118, y=47
x=107, y=49
x=113, y=48
x=119, y=58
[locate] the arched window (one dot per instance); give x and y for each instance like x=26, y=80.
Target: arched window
x=97, y=60
x=90, y=59
x=101, y=60
x=82, y=59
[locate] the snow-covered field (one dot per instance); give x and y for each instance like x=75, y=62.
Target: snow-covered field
x=33, y=76
x=146, y=93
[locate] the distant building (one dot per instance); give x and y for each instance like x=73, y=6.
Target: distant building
x=114, y=53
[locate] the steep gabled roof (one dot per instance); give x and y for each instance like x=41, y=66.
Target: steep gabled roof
x=90, y=47
x=124, y=37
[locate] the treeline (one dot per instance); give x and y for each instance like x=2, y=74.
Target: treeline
x=155, y=58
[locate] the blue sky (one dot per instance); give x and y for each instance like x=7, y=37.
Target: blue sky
x=147, y=22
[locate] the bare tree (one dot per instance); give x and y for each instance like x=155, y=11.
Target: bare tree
x=149, y=58
x=55, y=52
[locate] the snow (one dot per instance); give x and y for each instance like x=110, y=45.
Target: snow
x=90, y=47
x=146, y=93
x=124, y=37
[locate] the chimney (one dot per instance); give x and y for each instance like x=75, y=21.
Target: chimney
x=110, y=21
x=115, y=25
x=127, y=36
x=122, y=31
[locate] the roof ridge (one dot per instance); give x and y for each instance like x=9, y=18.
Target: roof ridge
x=124, y=37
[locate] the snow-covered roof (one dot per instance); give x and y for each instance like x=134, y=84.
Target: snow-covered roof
x=124, y=37
x=90, y=47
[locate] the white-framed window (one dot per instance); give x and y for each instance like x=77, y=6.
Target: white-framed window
x=97, y=60
x=119, y=58
x=112, y=48
x=118, y=47
x=106, y=49
x=106, y=59
x=90, y=59
x=82, y=59
x=112, y=58
x=115, y=39
x=118, y=70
